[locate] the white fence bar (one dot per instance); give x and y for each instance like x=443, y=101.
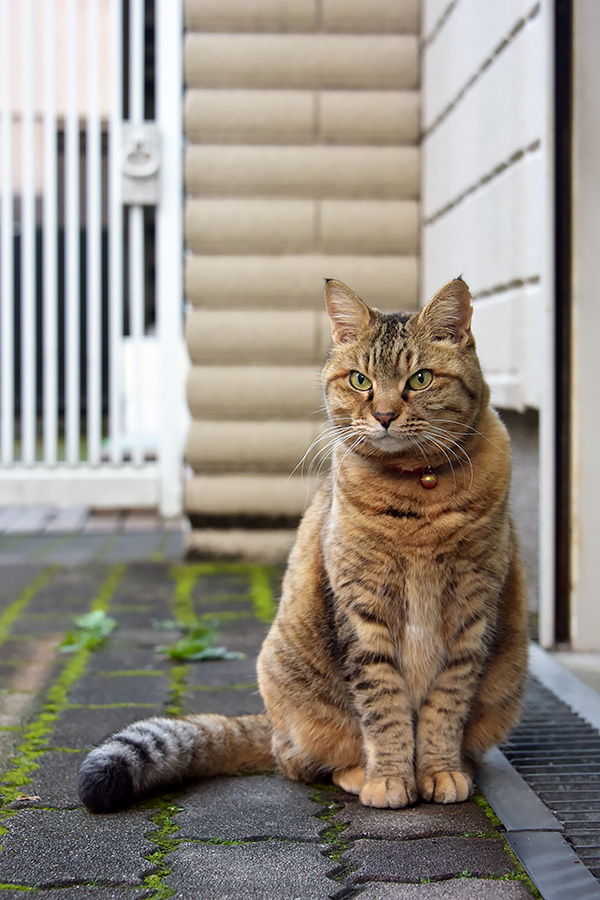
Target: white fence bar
x=72, y=242
x=136, y=324
x=66, y=486
x=169, y=250
x=50, y=243
x=136, y=229
x=7, y=415
x=28, y=241
x=115, y=235
x=93, y=222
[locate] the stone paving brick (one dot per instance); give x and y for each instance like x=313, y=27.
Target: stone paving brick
x=69, y=590
x=457, y=889
x=253, y=871
x=242, y=625
x=146, y=580
x=17, y=649
x=47, y=848
x=84, y=892
x=84, y=728
x=141, y=613
x=227, y=702
x=134, y=547
x=220, y=584
x=22, y=549
x=223, y=672
x=435, y=858
x=216, y=606
x=120, y=689
x=248, y=807
x=45, y=624
x=121, y=653
x=420, y=821
x=146, y=637
x=7, y=675
x=245, y=637
x=80, y=549
x=14, y=580
x=54, y=781
x=140, y=620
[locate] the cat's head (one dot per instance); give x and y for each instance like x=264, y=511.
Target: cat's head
x=403, y=385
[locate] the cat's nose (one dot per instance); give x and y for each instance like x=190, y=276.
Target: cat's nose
x=385, y=418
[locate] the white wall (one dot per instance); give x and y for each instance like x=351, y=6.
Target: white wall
x=485, y=178
x=585, y=434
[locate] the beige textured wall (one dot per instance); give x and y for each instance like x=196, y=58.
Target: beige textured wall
x=303, y=163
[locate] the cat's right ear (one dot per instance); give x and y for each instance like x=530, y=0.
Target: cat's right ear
x=349, y=316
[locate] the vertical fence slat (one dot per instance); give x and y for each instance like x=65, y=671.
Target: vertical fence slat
x=136, y=230
x=115, y=234
x=136, y=326
x=93, y=233
x=50, y=242
x=28, y=241
x=169, y=252
x=6, y=244
x=72, y=241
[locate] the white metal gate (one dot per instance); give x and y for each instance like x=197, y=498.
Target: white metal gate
x=91, y=350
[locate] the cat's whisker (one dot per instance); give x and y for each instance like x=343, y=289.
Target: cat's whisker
x=441, y=447
x=338, y=439
x=360, y=439
x=474, y=431
x=416, y=443
x=321, y=458
x=441, y=434
x=326, y=434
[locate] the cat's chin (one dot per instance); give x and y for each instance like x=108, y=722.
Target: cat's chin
x=385, y=439
x=391, y=445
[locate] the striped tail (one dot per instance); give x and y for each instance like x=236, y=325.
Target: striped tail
x=160, y=752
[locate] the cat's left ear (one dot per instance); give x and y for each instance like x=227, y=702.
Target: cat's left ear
x=447, y=316
x=349, y=316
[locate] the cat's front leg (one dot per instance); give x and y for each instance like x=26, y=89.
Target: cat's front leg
x=442, y=774
x=384, y=707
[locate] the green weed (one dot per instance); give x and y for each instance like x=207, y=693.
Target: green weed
x=92, y=630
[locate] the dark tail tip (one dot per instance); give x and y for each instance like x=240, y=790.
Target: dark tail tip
x=105, y=784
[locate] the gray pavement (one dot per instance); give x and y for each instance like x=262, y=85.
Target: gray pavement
x=250, y=836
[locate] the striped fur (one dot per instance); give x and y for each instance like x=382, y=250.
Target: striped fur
x=398, y=653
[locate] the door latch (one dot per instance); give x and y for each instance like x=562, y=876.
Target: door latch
x=140, y=164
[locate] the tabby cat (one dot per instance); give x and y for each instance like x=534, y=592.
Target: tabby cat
x=398, y=653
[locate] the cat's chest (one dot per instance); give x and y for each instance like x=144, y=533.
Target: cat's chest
x=420, y=643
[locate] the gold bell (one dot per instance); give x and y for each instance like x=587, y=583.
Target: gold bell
x=428, y=480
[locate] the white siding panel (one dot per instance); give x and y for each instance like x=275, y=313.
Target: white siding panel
x=432, y=12
x=466, y=41
x=494, y=237
x=506, y=330
x=499, y=116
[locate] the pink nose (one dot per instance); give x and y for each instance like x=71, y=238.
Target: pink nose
x=385, y=418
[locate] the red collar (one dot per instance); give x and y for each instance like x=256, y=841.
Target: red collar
x=426, y=475
x=419, y=471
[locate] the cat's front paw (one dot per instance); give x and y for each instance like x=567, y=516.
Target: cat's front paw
x=389, y=792
x=445, y=787
x=350, y=780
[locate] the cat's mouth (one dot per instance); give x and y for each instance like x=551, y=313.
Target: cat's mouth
x=391, y=443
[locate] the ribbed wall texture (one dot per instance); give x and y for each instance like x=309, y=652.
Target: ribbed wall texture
x=303, y=163
x=486, y=165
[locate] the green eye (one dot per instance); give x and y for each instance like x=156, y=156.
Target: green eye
x=360, y=381
x=420, y=380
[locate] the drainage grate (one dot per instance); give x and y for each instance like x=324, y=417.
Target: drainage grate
x=558, y=754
